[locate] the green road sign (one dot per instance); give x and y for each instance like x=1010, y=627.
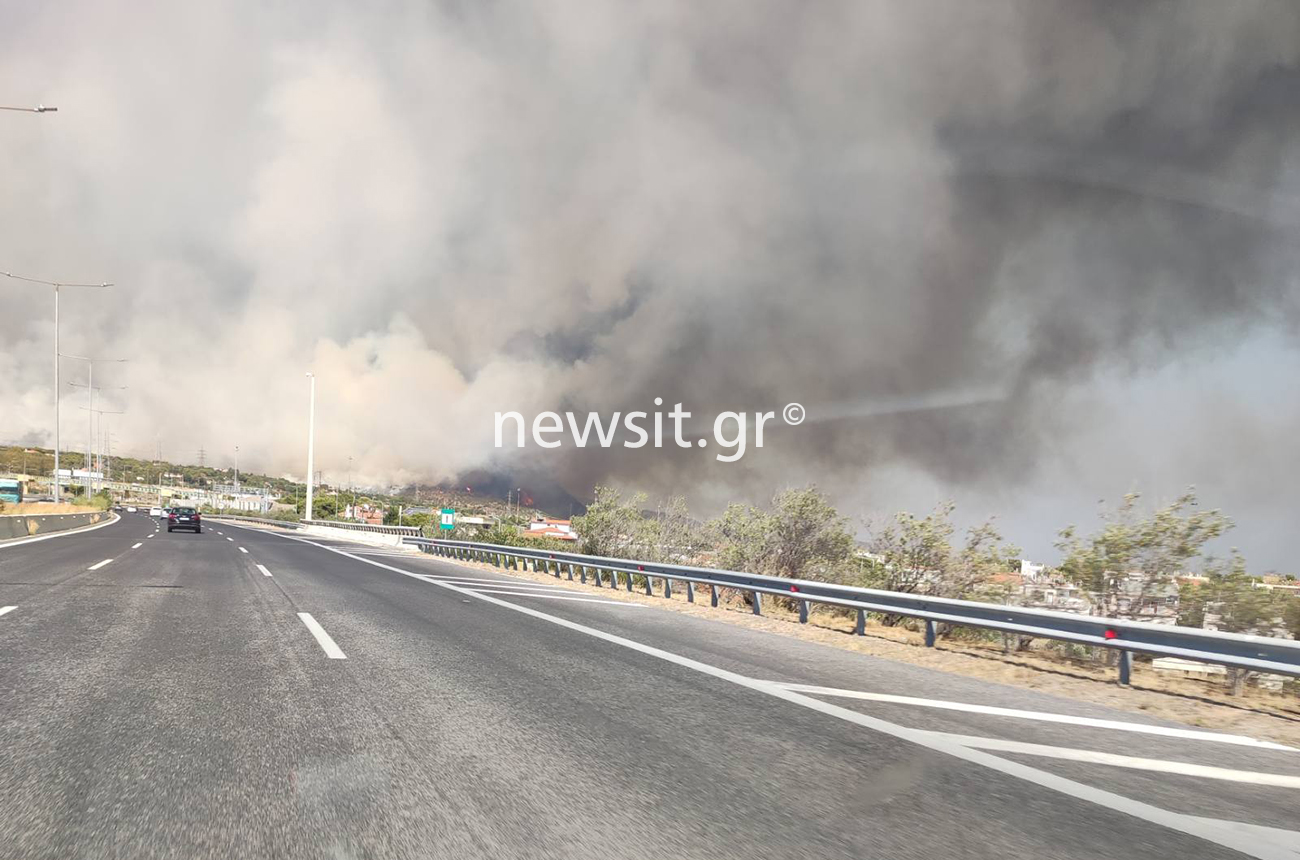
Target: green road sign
x=448, y=519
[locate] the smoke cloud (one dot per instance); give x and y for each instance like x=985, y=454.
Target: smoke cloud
x=966, y=236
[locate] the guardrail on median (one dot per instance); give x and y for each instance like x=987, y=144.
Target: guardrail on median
x=1258, y=653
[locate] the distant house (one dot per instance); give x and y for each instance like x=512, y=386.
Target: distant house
x=1059, y=595
x=1142, y=600
x=371, y=515
x=558, y=529
x=1031, y=571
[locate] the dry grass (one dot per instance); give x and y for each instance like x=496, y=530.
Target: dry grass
x=1257, y=713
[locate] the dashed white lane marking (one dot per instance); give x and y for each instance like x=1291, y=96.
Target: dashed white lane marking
x=137, y=545
x=326, y=643
x=148, y=536
x=232, y=540
x=220, y=533
x=1092, y=722
x=7, y=609
x=241, y=549
x=100, y=564
x=1277, y=780
x=265, y=572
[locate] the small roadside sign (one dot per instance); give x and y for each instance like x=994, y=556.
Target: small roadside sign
x=448, y=519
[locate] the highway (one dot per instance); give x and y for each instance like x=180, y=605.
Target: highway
x=243, y=693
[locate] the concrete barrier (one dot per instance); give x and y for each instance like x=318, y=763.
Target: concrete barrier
x=21, y=525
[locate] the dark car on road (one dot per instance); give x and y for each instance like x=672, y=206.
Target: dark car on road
x=184, y=518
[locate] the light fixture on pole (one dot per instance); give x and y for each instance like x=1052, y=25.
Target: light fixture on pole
x=58, y=496
x=37, y=109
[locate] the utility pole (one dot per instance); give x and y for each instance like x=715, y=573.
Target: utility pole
x=311, y=443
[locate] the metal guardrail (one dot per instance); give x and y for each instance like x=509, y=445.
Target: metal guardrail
x=413, y=531
x=406, y=531
x=1258, y=653
x=266, y=521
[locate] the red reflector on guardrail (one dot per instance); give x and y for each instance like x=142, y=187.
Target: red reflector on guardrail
x=794, y=588
x=1111, y=633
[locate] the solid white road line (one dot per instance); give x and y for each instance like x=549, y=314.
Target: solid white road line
x=1092, y=722
x=331, y=650
x=7, y=609
x=98, y=565
x=1219, y=832
x=512, y=583
x=265, y=572
x=241, y=549
x=1277, y=780
x=543, y=596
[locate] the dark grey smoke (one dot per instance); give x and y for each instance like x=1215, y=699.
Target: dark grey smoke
x=937, y=224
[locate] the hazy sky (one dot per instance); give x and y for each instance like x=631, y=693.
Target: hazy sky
x=1025, y=255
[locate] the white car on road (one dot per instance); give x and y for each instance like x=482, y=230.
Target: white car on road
x=155, y=512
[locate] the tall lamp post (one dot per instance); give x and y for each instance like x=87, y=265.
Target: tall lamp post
x=37, y=109
x=58, y=496
x=90, y=383
x=90, y=470
x=90, y=428
x=311, y=444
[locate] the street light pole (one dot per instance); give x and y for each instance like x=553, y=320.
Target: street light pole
x=311, y=444
x=90, y=387
x=37, y=109
x=58, y=494
x=236, y=472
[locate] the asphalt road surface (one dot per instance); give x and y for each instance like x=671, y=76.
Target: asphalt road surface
x=242, y=693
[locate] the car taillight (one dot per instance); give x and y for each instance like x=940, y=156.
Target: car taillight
x=171, y=516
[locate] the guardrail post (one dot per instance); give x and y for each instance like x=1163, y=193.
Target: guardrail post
x=758, y=603
x=803, y=612
x=648, y=589
x=570, y=571
x=600, y=581
x=690, y=591
x=629, y=583
x=1125, y=667
x=668, y=588
x=929, y=633
x=713, y=589
x=582, y=572
x=613, y=578
x=861, y=627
